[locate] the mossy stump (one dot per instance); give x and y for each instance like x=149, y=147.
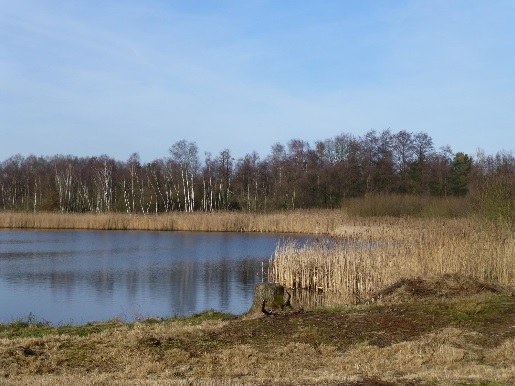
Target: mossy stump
x=270, y=298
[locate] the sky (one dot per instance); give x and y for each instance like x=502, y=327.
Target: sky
x=92, y=77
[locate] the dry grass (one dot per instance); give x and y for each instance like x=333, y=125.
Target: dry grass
x=126, y=352
x=374, y=253
x=399, y=343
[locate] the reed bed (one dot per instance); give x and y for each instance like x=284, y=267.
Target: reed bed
x=305, y=221
x=402, y=205
x=371, y=256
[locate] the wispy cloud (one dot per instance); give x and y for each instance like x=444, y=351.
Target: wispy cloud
x=108, y=77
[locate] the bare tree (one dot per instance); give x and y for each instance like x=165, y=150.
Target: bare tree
x=185, y=156
x=404, y=151
x=63, y=179
x=103, y=184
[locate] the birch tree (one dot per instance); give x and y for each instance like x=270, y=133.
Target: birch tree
x=104, y=184
x=64, y=180
x=224, y=166
x=185, y=157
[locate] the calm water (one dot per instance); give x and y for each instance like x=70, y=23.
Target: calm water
x=81, y=276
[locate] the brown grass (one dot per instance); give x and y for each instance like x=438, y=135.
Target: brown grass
x=471, y=341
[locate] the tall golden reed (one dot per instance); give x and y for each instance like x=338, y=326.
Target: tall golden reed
x=377, y=252
x=305, y=221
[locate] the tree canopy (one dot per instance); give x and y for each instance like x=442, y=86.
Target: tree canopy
x=293, y=175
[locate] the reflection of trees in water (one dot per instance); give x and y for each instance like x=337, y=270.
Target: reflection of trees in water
x=250, y=272
x=131, y=283
x=224, y=284
x=104, y=282
x=180, y=287
x=185, y=285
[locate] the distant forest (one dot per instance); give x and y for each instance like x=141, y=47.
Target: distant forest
x=292, y=176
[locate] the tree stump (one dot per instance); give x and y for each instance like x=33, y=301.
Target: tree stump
x=270, y=298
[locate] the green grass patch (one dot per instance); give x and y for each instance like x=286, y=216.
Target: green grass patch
x=475, y=312
x=32, y=328
x=202, y=317
x=22, y=329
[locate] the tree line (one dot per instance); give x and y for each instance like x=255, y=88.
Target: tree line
x=291, y=176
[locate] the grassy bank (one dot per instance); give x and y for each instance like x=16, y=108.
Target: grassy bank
x=446, y=341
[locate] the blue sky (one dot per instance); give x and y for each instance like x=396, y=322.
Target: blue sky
x=117, y=77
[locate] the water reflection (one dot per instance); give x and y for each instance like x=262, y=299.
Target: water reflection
x=78, y=276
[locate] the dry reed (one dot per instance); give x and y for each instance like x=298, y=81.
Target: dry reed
x=306, y=221
x=372, y=256
x=399, y=205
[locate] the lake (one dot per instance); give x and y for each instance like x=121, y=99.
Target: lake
x=77, y=276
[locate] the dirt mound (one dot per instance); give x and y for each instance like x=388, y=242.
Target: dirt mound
x=443, y=286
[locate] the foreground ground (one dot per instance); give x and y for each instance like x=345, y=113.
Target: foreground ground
x=445, y=331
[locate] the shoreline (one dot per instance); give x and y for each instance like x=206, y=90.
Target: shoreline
x=283, y=222
x=449, y=340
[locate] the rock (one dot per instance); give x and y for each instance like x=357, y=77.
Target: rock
x=270, y=298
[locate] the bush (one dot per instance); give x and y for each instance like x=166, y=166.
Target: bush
x=406, y=206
